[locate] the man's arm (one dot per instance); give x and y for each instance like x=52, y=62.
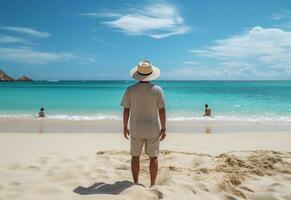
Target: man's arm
x=126, y=112
x=162, y=114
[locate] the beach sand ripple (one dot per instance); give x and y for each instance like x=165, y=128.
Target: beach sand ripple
x=106, y=175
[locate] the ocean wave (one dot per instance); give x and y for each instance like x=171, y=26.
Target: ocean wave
x=176, y=118
x=84, y=117
x=234, y=118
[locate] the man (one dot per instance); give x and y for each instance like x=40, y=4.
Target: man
x=142, y=102
x=207, y=111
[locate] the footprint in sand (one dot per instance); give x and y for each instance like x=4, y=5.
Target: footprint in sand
x=156, y=192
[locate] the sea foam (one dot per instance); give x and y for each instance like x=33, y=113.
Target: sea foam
x=176, y=118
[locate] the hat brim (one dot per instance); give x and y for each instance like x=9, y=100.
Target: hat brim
x=154, y=75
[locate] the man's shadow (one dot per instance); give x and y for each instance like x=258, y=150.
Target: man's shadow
x=104, y=188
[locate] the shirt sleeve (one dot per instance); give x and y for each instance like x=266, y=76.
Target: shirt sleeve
x=161, y=99
x=125, y=102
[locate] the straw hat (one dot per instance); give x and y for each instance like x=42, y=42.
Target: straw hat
x=145, y=71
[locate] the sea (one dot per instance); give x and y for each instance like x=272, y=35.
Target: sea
x=100, y=100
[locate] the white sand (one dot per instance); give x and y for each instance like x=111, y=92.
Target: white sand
x=192, y=166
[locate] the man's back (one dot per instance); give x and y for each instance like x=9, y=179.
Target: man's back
x=142, y=102
x=144, y=99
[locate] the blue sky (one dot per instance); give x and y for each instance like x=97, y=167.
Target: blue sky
x=187, y=40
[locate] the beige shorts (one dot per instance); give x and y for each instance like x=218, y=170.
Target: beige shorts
x=151, y=146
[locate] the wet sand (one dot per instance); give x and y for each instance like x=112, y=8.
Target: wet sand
x=45, y=125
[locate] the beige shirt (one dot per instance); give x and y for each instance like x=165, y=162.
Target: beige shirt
x=144, y=100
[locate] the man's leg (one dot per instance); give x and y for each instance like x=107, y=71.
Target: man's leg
x=135, y=168
x=153, y=169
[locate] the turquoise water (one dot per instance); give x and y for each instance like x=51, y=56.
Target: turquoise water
x=229, y=100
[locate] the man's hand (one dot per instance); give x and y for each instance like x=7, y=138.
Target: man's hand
x=126, y=112
x=162, y=135
x=162, y=114
x=126, y=133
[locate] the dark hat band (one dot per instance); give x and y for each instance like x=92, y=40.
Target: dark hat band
x=144, y=74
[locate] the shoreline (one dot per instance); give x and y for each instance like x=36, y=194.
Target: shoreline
x=171, y=116
x=46, y=125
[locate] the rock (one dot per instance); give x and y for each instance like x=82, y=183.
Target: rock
x=5, y=77
x=24, y=79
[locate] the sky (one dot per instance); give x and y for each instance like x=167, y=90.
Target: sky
x=186, y=39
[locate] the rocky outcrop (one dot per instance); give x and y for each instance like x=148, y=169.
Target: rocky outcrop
x=24, y=79
x=5, y=77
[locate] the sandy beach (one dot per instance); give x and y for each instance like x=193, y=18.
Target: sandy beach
x=192, y=166
x=208, y=126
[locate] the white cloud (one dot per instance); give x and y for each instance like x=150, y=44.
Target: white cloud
x=11, y=51
x=257, y=53
x=6, y=39
x=231, y=72
x=29, y=56
x=26, y=30
x=155, y=20
x=259, y=44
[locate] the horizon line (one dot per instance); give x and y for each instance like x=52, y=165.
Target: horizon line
x=55, y=80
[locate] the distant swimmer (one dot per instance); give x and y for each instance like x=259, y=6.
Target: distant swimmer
x=207, y=110
x=41, y=113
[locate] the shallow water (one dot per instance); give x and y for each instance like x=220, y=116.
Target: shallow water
x=94, y=100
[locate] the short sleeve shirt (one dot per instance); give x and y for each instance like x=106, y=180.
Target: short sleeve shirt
x=144, y=100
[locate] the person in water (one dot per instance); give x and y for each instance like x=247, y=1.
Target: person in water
x=207, y=111
x=41, y=113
